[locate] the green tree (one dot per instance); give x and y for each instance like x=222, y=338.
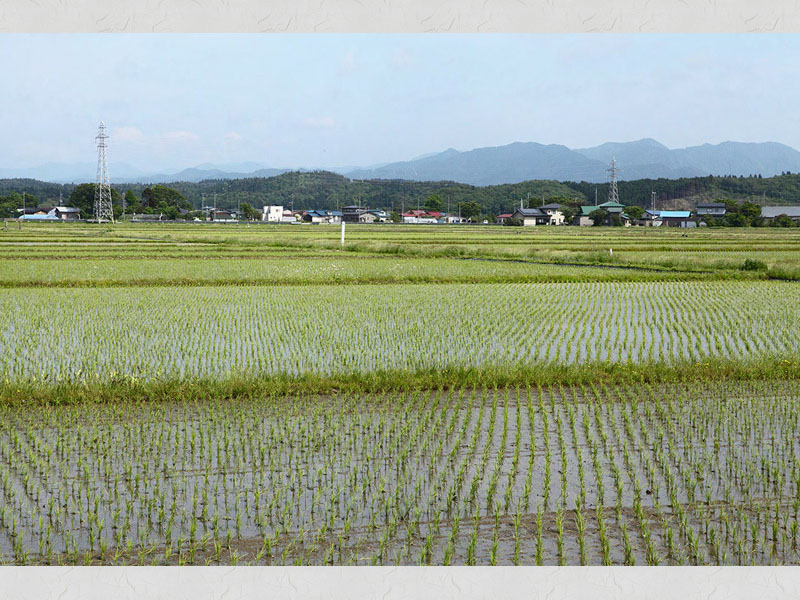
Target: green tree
x=598, y=216
x=470, y=209
x=782, y=221
x=248, y=212
x=735, y=220
x=83, y=197
x=634, y=212
x=396, y=217
x=433, y=202
x=570, y=211
x=131, y=200
x=155, y=195
x=750, y=210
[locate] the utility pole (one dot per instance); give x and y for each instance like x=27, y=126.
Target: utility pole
x=595, y=195
x=23, y=204
x=653, y=201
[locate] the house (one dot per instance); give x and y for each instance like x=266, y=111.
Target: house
x=677, y=218
x=612, y=209
x=46, y=213
x=374, y=216
x=584, y=219
x=711, y=209
x=531, y=216
x=272, y=214
x=67, y=213
x=669, y=218
x=501, y=219
x=772, y=212
x=42, y=213
x=553, y=210
x=352, y=214
x=319, y=216
x=224, y=216
x=421, y=217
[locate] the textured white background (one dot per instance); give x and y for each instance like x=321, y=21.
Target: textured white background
x=198, y=583
x=645, y=16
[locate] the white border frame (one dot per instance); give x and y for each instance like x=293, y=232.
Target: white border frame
x=406, y=16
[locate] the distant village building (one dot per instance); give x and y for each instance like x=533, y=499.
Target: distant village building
x=430, y=217
x=272, y=214
x=773, y=212
x=711, y=209
x=223, y=216
x=329, y=217
x=352, y=214
x=48, y=213
x=501, y=219
x=670, y=218
x=611, y=209
x=530, y=217
x=553, y=210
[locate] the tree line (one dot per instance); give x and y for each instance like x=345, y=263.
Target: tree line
x=330, y=191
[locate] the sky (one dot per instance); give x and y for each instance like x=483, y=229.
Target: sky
x=172, y=101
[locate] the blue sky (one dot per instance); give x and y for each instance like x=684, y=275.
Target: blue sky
x=178, y=100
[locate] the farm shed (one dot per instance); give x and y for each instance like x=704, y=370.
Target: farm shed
x=676, y=218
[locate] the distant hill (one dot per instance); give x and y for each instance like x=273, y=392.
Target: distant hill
x=512, y=163
x=125, y=173
x=199, y=174
x=642, y=159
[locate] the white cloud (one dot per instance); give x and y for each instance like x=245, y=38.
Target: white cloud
x=232, y=137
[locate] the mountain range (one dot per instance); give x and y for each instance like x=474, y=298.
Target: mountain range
x=512, y=163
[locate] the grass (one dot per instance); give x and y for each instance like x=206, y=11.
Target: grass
x=241, y=386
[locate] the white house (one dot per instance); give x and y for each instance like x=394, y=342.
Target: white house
x=272, y=214
x=553, y=210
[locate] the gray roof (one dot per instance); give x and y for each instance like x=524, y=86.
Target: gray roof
x=530, y=212
x=552, y=205
x=770, y=212
x=711, y=205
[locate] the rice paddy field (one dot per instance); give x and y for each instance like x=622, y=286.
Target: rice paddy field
x=207, y=394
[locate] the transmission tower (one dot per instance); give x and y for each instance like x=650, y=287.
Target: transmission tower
x=613, y=195
x=103, y=211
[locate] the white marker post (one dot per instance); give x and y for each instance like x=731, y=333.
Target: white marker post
x=342, y=233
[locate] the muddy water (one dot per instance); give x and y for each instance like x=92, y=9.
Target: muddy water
x=595, y=475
